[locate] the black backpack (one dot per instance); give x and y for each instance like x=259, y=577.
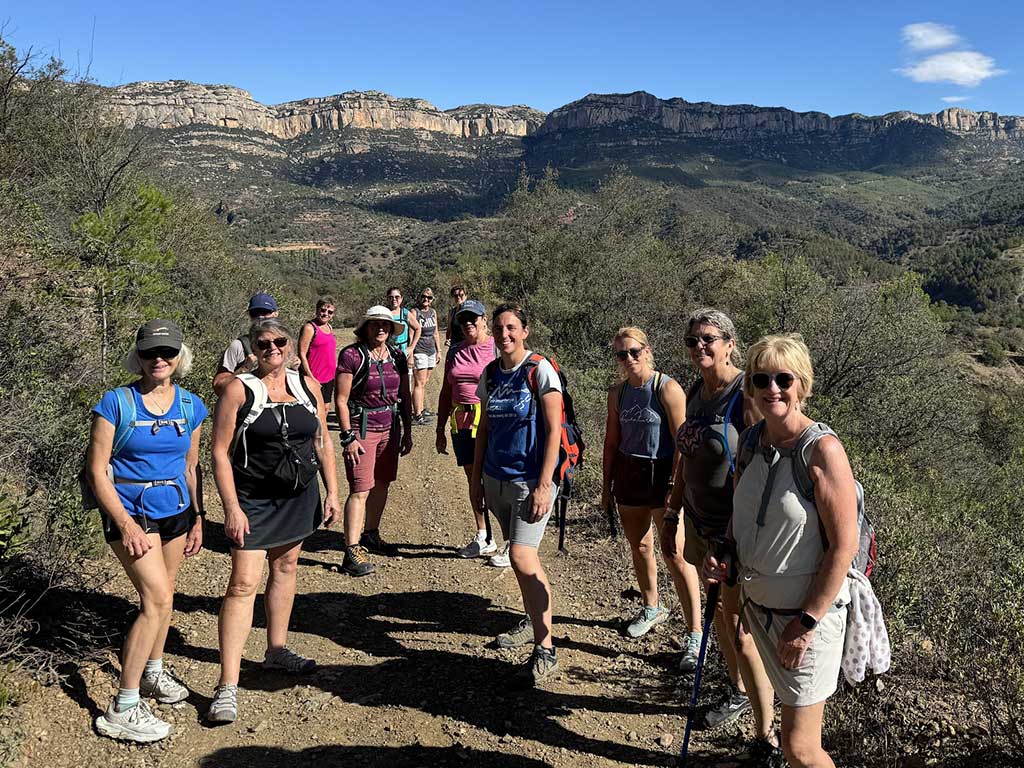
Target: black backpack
x=357, y=412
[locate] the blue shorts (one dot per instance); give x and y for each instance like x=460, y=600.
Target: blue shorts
x=464, y=445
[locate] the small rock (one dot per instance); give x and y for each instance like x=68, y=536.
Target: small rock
x=977, y=731
x=632, y=736
x=879, y=685
x=665, y=740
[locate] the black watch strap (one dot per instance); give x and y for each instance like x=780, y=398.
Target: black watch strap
x=807, y=620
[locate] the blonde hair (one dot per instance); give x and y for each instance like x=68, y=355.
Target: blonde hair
x=133, y=364
x=784, y=351
x=637, y=335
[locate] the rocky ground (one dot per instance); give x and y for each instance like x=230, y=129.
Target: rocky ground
x=408, y=673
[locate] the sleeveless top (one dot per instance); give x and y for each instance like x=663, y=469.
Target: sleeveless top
x=779, y=557
x=402, y=340
x=644, y=429
x=455, y=335
x=265, y=446
x=707, y=475
x=323, y=355
x=428, y=327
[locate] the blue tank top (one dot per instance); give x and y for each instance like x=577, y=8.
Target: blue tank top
x=515, y=427
x=402, y=340
x=644, y=430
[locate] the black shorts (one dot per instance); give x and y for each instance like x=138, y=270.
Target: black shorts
x=464, y=445
x=169, y=528
x=327, y=390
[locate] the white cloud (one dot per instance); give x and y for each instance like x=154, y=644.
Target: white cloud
x=955, y=99
x=929, y=36
x=965, y=68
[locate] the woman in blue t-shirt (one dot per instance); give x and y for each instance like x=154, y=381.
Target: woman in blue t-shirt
x=513, y=473
x=142, y=465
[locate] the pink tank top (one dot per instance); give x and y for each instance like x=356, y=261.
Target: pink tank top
x=322, y=354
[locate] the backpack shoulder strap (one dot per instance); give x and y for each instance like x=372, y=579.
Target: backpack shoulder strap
x=313, y=337
x=530, y=364
x=259, y=398
x=246, y=344
x=363, y=371
x=400, y=358
x=186, y=402
x=621, y=387
x=490, y=372
x=801, y=452
x=748, y=446
x=126, y=416
x=296, y=384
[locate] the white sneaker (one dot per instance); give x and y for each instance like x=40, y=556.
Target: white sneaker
x=500, y=560
x=165, y=688
x=477, y=548
x=136, y=723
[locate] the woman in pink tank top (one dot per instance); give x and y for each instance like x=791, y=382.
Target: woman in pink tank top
x=318, y=348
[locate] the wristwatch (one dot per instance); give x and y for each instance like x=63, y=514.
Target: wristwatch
x=807, y=620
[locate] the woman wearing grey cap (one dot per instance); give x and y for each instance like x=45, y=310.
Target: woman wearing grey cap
x=142, y=469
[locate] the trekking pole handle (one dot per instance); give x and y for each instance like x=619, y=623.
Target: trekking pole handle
x=725, y=548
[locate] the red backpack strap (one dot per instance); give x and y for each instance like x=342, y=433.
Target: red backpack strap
x=531, y=364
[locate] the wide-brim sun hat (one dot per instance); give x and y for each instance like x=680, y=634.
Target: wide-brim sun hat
x=380, y=312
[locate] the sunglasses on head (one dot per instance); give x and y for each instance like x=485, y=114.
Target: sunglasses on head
x=167, y=353
x=707, y=339
x=264, y=344
x=764, y=380
x=633, y=352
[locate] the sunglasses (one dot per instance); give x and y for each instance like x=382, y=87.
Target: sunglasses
x=326, y=311
x=261, y=313
x=458, y=294
x=633, y=352
x=707, y=339
x=764, y=380
x=426, y=296
x=167, y=353
x=264, y=344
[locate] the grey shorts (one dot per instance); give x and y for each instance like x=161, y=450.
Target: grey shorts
x=509, y=501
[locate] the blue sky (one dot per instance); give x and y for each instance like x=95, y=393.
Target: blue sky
x=870, y=57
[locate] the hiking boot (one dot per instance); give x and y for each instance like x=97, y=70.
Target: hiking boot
x=521, y=635
x=224, y=707
x=646, y=619
x=477, y=548
x=500, y=560
x=373, y=543
x=543, y=664
x=356, y=563
x=688, y=661
x=136, y=723
x=287, y=660
x=165, y=688
x=731, y=708
x=764, y=754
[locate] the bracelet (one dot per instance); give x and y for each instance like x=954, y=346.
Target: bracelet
x=347, y=438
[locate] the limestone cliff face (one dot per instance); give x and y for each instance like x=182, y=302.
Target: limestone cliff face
x=178, y=103
x=744, y=121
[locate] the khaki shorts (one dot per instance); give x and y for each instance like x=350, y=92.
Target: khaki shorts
x=695, y=546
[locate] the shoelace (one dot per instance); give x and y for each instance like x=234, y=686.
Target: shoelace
x=288, y=659
x=359, y=554
x=226, y=695
x=140, y=714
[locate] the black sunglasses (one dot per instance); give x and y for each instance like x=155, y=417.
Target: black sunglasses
x=427, y=296
x=167, y=353
x=264, y=344
x=707, y=338
x=633, y=352
x=326, y=311
x=764, y=380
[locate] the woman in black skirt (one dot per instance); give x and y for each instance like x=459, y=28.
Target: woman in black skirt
x=268, y=446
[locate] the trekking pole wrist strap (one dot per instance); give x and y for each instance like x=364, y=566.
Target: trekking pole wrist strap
x=347, y=438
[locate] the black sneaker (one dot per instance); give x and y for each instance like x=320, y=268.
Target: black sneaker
x=543, y=664
x=731, y=708
x=372, y=542
x=356, y=563
x=764, y=754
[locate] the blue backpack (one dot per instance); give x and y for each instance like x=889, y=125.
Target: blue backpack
x=127, y=421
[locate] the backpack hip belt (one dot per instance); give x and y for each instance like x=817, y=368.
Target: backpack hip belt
x=473, y=408
x=147, y=484
x=362, y=413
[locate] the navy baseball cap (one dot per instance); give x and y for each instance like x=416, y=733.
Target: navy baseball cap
x=471, y=308
x=262, y=302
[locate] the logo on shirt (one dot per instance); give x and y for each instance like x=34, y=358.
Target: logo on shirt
x=639, y=414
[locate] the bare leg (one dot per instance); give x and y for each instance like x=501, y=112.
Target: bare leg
x=725, y=628
x=536, y=590
x=481, y=524
x=236, y=610
x=280, y=594
x=148, y=574
x=636, y=525
x=751, y=669
x=355, y=516
x=419, y=389
x=375, y=503
x=174, y=553
x=684, y=576
x=801, y=737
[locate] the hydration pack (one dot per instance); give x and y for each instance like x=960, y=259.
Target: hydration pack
x=296, y=386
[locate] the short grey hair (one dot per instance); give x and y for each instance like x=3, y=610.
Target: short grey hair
x=133, y=364
x=260, y=327
x=721, y=321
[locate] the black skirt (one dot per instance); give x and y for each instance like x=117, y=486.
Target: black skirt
x=274, y=522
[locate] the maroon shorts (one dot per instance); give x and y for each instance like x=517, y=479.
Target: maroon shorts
x=378, y=465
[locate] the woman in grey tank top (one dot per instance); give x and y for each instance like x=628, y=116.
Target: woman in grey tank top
x=424, y=355
x=644, y=412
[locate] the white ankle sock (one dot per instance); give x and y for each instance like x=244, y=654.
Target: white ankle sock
x=153, y=668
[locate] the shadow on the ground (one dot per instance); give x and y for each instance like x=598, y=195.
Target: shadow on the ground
x=412, y=756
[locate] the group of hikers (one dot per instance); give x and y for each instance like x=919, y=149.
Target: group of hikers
x=741, y=488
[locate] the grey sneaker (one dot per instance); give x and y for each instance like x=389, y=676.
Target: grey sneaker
x=165, y=688
x=543, y=664
x=224, y=707
x=477, y=548
x=500, y=560
x=136, y=723
x=731, y=708
x=287, y=660
x=646, y=619
x=521, y=635
x=688, y=661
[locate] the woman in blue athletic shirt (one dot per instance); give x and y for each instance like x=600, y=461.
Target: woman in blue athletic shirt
x=141, y=464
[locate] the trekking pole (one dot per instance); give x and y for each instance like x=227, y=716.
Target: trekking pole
x=691, y=711
x=563, y=508
x=613, y=528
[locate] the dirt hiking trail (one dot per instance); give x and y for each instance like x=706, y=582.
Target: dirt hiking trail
x=408, y=674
